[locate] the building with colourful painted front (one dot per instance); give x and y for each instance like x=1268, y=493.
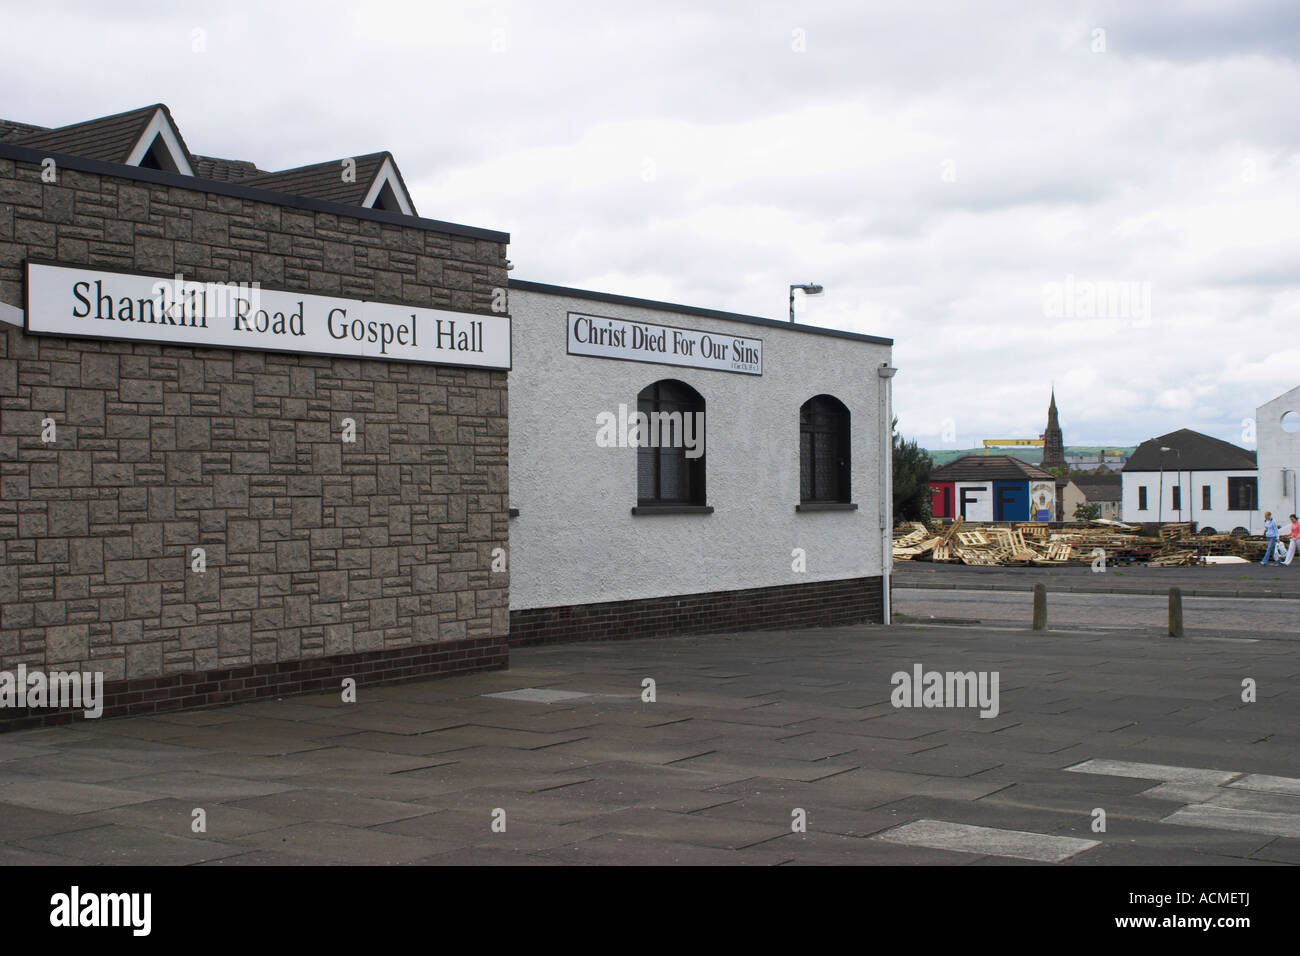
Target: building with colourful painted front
x=992, y=488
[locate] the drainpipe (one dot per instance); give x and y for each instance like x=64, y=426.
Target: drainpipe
x=886, y=373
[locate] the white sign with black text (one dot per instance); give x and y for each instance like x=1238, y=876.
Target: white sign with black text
x=69, y=300
x=643, y=342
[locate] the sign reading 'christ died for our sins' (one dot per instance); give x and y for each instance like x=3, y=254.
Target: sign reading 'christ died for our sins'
x=643, y=342
x=67, y=300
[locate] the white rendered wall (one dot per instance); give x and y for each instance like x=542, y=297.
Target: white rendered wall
x=979, y=507
x=1217, y=517
x=1278, y=450
x=576, y=541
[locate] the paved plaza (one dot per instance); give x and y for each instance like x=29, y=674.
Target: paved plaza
x=748, y=735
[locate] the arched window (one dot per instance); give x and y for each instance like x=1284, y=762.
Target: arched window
x=670, y=459
x=825, y=470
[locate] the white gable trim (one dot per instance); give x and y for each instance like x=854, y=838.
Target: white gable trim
x=159, y=126
x=11, y=315
x=388, y=174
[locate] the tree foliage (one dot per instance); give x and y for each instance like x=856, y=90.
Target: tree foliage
x=912, y=466
x=1085, y=511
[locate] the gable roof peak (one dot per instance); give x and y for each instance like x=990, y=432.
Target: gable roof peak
x=146, y=135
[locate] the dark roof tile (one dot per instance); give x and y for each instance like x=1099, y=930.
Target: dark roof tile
x=12, y=130
x=325, y=180
x=109, y=138
x=1100, y=487
x=989, y=468
x=1189, y=451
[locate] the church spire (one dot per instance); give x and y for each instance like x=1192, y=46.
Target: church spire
x=1053, y=444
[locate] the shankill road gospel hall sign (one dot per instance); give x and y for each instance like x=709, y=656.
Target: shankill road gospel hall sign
x=64, y=300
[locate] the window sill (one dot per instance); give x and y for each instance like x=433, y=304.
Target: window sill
x=640, y=510
x=827, y=506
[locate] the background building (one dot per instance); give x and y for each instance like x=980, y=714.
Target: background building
x=1277, y=435
x=1111, y=459
x=1104, y=491
x=992, y=488
x=782, y=519
x=1188, y=476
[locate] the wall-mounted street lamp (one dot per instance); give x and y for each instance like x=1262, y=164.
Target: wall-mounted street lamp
x=810, y=288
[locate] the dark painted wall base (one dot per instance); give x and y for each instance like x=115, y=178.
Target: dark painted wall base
x=815, y=604
x=155, y=695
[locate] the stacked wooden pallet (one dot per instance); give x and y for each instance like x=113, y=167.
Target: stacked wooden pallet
x=1027, y=543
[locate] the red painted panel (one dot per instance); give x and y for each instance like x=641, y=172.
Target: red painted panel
x=941, y=499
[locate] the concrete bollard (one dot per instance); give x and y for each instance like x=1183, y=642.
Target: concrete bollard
x=1040, y=607
x=1175, y=612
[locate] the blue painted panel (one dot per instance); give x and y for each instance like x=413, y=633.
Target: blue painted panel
x=1010, y=501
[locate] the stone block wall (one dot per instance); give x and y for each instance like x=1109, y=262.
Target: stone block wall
x=314, y=547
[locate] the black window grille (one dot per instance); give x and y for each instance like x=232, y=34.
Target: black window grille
x=825, y=470
x=1243, y=494
x=666, y=474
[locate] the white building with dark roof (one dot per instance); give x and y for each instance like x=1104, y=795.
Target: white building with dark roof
x=1187, y=476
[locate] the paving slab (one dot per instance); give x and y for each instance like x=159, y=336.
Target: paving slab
x=176, y=817
x=561, y=759
x=75, y=765
x=603, y=750
x=617, y=793
x=738, y=766
x=551, y=807
x=366, y=760
x=467, y=827
x=322, y=843
x=125, y=845
x=621, y=849
x=201, y=789
x=483, y=855
x=983, y=841
x=1233, y=818
x=832, y=849
x=19, y=822
x=871, y=815
x=331, y=806
x=64, y=796
x=12, y=855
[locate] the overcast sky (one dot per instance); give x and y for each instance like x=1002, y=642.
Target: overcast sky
x=979, y=182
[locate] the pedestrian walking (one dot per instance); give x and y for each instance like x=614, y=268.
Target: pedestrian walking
x=1270, y=539
x=1295, y=533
